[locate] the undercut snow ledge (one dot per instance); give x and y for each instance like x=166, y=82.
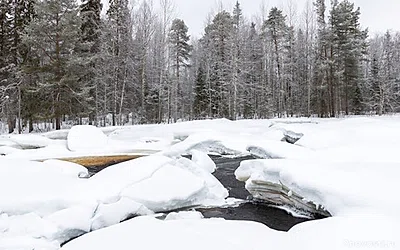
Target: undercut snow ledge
x=340, y=188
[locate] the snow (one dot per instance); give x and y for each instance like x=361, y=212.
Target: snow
x=48, y=200
x=111, y=214
x=339, y=187
x=184, y=215
x=270, y=149
x=349, y=167
x=202, y=159
x=68, y=168
x=29, y=141
x=195, y=233
x=150, y=233
x=86, y=138
x=179, y=189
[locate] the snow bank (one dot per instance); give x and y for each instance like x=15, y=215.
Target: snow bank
x=194, y=233
x=150, y=233
x=339, y=187
x=348, y=166
x=27, y=186
x=48, y=200
x=279, y=150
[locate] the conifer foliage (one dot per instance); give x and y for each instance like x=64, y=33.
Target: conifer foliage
x=64, y=63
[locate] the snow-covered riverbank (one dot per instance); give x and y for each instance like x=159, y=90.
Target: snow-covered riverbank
x=348, y=166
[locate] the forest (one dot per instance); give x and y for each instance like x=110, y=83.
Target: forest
x=67, y=62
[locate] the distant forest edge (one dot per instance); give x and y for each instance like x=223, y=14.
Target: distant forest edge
x=137, y=64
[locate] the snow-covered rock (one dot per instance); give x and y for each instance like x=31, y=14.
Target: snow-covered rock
x=203, y=160
x=110, y=214
x=30, y=141
x=176, y=188
x=86, y=138
x=57, y=135
x=72, y=222
x=279, y=150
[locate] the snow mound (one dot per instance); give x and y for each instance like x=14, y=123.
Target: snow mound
x=185, y=215
x=86, y=138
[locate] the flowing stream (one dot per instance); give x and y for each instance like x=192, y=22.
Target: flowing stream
x=252, y=211
x=249, y=210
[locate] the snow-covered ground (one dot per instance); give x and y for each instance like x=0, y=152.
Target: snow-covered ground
x=348, y=166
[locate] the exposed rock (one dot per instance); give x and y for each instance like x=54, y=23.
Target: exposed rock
x=292, y=137
x=280, y=195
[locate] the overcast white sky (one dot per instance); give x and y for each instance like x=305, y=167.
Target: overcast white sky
x=378, y=16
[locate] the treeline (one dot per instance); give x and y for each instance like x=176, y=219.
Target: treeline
x=137, y=64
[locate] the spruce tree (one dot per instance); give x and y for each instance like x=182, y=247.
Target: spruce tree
x=90, y=36
x=54, y=36
x=218, y=37
x=120, y=42
x=349, y=46
x=200, y=99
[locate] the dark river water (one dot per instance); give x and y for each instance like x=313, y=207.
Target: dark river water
x=252, y=211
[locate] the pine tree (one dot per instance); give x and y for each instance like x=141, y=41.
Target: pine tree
x=276, y=29
x=180, y=52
